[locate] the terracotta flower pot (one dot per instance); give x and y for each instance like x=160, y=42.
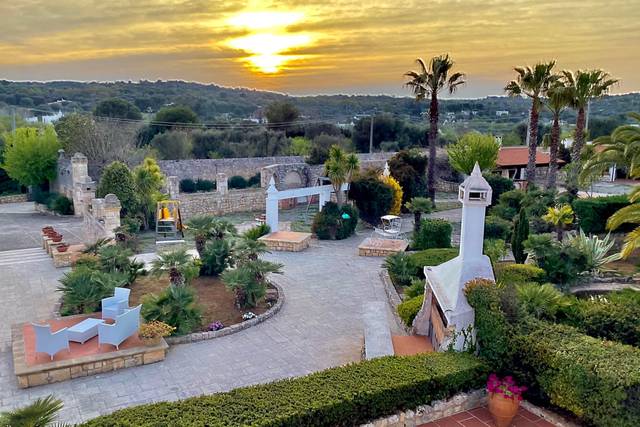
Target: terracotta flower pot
x=503, y=409
x=47, y=228
x=50, y=233
x=63, y=248
x=57, y=238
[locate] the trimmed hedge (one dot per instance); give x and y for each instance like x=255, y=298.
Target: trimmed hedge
x=594, y=212
x=407, y=310
x=497, y=228
x=431, y=257
x=344, y=396
x=599, y=381
x=433, y=233
x=328, y=224
x=237, y=182
x=513, y=274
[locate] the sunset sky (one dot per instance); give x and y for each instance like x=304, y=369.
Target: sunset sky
x=310, y=47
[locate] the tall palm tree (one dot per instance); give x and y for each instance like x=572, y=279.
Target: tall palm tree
x=628, y=215
x=532, y=82
x=584, y=85
x=340, y=167
x=558, y=99
x=426, y=83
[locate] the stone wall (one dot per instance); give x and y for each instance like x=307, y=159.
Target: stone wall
x=73, y=181
x=13, y=198
x=215, y=203
x=101, y=218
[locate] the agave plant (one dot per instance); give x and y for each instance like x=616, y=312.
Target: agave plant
x=41, y=413
x=95, y=247
x=595, y=249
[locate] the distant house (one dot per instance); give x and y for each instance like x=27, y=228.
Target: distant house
x=501, y=113
x=512, y=162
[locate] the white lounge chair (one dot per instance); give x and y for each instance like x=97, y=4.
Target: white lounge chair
x=114, y=306
x=50, y=342
x=391, y=227
x=126, y=325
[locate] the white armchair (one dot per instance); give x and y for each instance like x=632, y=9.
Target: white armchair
x=126, y=325
x=50, y=342
x=114, y=306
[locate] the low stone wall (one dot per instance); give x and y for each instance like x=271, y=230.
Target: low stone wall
x=215, y=203
x=209, y=168
x=287, y=241
x=439, y=409
x=393, y=298
x=13, y=198
x=201, y=336
x=376, y=247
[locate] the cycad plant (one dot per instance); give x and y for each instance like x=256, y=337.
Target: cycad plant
x=425, y=84
x=41, y=413
x=595, y=249
x=561, y=217
x=178, y=264
x=628, y=215
x=533, y=83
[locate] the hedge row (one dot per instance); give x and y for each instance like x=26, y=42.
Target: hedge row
x=343, y=396
x=407, y=310
x=599, y=381
x=593, y=212
x=433, y=233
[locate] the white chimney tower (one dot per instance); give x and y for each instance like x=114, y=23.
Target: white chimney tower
x=445, y=311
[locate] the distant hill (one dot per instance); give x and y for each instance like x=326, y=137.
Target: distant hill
x=212, y=102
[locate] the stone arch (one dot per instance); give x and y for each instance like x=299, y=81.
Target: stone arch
x=292, y=179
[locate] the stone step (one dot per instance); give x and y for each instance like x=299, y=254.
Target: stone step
x=22, y=256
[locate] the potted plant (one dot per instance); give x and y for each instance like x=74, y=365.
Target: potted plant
x=151, y=333
x=62, y=247
x=504, y=399
x=57, y=238
x=47, y=228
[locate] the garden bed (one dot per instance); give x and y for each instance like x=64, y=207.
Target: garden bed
x=216, y=301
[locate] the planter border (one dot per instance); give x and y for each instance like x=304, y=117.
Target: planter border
x=393, y=298
x=208, y=335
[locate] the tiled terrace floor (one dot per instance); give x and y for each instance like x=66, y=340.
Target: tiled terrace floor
x=480, y=417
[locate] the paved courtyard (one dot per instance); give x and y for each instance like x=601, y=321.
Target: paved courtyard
x=319, y=326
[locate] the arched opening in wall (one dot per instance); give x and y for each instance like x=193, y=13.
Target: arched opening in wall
x=292, y=179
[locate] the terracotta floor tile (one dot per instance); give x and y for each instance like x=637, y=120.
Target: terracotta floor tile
x=520, y=421
x=474, y=422
x=482, y=413
x=544, y=423
x=462, y=416
x=448, y=422
x=431, y=424
x=528, y=415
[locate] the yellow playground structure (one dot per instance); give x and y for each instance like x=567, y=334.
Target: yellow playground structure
x=169, y=221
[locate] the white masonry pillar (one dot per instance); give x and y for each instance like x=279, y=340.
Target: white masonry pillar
x=272, y=206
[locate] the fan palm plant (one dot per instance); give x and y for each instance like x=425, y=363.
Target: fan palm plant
x=532, y=82
x=249, y=281
x=41, y=413
x=628, y=215
x=426, y=83
x=558, y=99
x=246, y=250
x=584, y=85
x=174, y=263
x=340, y=167
x=418, y=206
x=176, y=306
x=200, y=227
x=560, y=217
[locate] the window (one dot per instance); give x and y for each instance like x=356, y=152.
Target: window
x=477, y=195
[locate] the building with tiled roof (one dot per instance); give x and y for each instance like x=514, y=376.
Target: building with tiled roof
x=512, y=161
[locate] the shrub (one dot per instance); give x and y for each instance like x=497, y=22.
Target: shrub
x=83, y=288
x=396, y=205
x=329, y=224
x=373, y=198
x=409, y=168
x=513, y=274
x=205, y=185
x=509, y=204
x=30, y=155
x=495, y=249
x=562, y=263
x=471, y=148
x=540, y=301
x=598, y=381
x=499, y=185
x=344, y=396
x=254, y=233
x=237, y=182
x=593, y=212
x=173, y=145
x=187, y=185
x=117, y=179
x=520, y=234
x=433, y=233
x=61, y=204
x=407, y=310
x=400, y=268
x=249, y=280
x=255, y=180
x=497, y=228
x=415, y=289
x=176, y=307
x=431, y=257
x=216, y=257
x=42, y=197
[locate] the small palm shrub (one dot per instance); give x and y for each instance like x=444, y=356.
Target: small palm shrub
x=254, y=233
x=407, y=310
x=95, y=247
x=418, y=206
x=41, y=413
x=215, y=258
x=433, y=233
x=401, y=269
x=83, y=288
x=540, y=301
x=246, y=250
x=334, y=222
x=176, y=306
x=415, y=289
x=249, y=281
x=178, y=264
x=563, y=263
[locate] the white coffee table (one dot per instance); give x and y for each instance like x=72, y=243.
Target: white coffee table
x=84, y=330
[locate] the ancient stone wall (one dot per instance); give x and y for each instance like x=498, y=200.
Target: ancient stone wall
x=215, y=203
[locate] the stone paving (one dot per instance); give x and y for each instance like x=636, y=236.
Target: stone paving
x=319, y=326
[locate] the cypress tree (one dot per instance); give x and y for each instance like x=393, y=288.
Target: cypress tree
x=520, y=234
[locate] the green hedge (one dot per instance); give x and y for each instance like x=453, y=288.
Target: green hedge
x=343, y=396
x=514, y=274
x=593, y=212
x=407, y=310
x=497, y=228
x=431, y=257
x=599, y=381
x=329, y=224
x=433, y=233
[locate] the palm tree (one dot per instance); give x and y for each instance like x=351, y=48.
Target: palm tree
x=425, y=83
x=584, y=85
x=41, y=413
x=628, y=215
x=561, y=217
x=174, y=263
x=418, y=205
x=246, y=250
x=200, y=228
x=533, y=83
x=340, y=167
x=621, y=148
x=558, y=99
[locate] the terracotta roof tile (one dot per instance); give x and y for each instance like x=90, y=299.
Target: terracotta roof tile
x=518, y=156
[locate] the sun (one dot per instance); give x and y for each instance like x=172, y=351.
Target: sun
x=268, y=43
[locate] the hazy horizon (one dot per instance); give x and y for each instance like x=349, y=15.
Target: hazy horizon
x=314, y=48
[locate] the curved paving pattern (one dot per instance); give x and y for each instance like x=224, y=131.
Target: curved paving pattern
x=319, y=326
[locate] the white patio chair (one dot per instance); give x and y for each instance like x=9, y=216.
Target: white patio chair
x=50, y=342
x=391, y=227
x=126, y=325
x=114, y=306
